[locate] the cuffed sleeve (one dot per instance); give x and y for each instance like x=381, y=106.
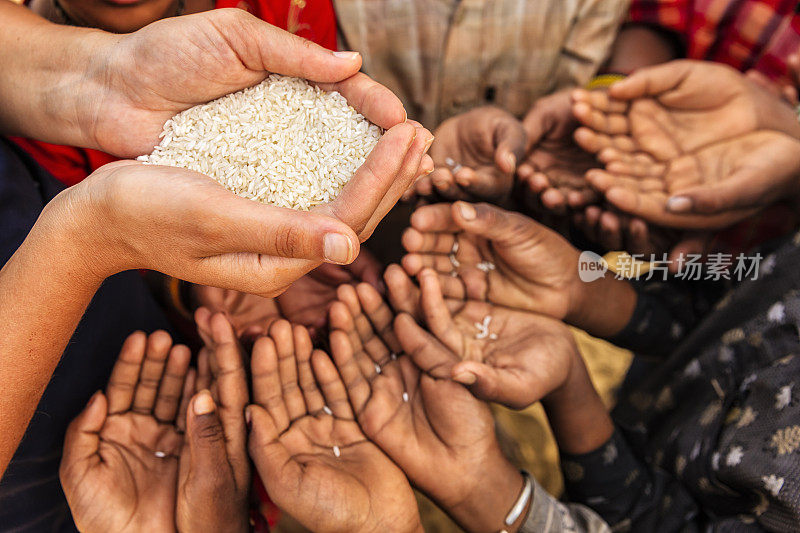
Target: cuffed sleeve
x=548, y=514
x=665, y=313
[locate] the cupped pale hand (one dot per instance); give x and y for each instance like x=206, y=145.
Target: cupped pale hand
x=144, y=78
x=129, y=215
x=315, y=461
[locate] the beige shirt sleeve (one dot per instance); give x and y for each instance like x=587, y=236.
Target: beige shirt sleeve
x=590, y=40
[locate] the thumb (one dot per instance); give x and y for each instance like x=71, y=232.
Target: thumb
x=273, y=461
x=510, y=139
x=494, y=385
x=205, y=436
x=427, y=353
x=82, y=439
x=652, y=81
x=487, y=221
x=742, y=190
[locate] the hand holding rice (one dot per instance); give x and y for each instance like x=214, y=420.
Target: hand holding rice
x=282, y=142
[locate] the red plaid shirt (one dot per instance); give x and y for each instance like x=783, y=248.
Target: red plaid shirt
x=745, y=34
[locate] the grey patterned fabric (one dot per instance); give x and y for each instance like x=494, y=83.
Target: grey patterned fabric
x=709, y=439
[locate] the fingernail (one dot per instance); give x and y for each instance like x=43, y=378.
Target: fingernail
x=428, y=143
x=466, y=378
x=679, y=204
x=248, y=418
x=466, y=211
x=512, y=160
x=337, y=248
x=429, y=171
x=93, y=398
x=204, y=403
x=346, y=55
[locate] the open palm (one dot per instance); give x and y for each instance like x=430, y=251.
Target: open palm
x=315, y=461
x=433, y=428
x=129, y=464
x=555, y=166
x=120, y=464
x=679, y=107
x=730, y=180
x=681, y=126
x=501, y=257
x=511, y=357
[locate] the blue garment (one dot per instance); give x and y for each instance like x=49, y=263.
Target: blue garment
x=31, y=499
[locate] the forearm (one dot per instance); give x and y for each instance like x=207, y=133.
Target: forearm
x=602, y=307
x=579, y=419
x=46, y=83
x=44, y=290
x=638, y=46
x=486, y=507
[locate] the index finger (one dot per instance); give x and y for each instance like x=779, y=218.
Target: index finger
x=378, y=104
x=262, y=46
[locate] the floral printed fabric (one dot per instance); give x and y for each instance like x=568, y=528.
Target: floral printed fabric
x=710, y=438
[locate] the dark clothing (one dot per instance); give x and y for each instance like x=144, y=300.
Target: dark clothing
x=30, y=493
x=709, y=438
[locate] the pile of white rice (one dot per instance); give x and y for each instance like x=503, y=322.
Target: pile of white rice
x=282, y=142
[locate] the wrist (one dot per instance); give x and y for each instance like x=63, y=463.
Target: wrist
x=602, y=307
x=67, y=84
x=777, y=114
x=489, y=501
x=576, y=413
x=83, y=236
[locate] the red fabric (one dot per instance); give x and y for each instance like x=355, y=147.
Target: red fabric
x=314, y=20
x=745, y=34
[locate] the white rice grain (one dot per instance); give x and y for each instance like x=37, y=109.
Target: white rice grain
x=282, y=142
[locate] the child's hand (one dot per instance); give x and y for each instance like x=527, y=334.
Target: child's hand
x=552, y=173
x=250, y=315
x=120, y=465
x=487, y=254
x=433, y=428
x=690, y=145
x=222, y=466
x=312, y=456
x=475, y=155
x=307, y=301
x=514, y=358
x=510, y=260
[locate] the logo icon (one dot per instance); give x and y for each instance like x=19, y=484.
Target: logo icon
x=591, y=267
